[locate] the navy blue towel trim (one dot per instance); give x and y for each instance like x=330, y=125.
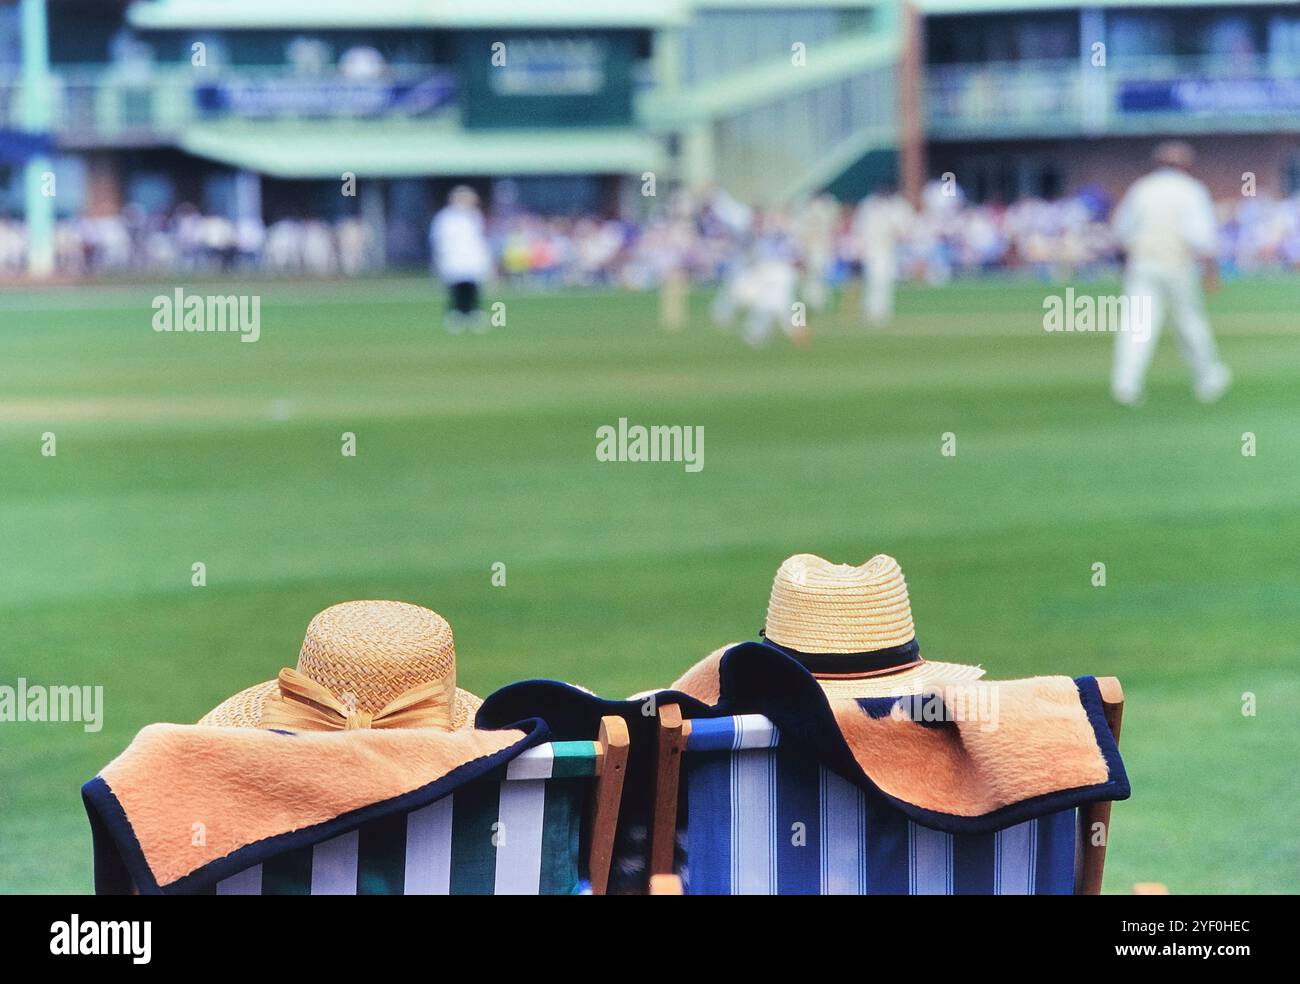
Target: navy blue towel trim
x=120, y=864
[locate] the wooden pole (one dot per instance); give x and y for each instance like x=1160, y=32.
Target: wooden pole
x=911, y=104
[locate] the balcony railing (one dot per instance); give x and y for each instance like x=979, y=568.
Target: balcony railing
x=1069, y=97
x=150, y=104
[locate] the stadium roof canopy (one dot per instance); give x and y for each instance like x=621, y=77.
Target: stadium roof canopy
x=395, y=150
x=323, y=14
x=768, y=80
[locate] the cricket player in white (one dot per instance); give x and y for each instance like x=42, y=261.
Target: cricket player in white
x=1166, y=223
x=458, y=242
x=816, y=227
x=763, y=288
x=882, y=220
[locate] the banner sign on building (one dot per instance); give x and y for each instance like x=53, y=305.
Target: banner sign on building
x=551, y=67
x=1200, y=95
x=18, y=146
x=547, y=79
x=324, y=97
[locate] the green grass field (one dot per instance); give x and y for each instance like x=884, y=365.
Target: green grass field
x=173, y=449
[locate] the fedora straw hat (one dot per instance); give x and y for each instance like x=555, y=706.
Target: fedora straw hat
x=363, y=664
x=851, y=628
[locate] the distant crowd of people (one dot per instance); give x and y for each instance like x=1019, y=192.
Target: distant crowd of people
x=702, y=237
x=1070, y=237
x=185, y=241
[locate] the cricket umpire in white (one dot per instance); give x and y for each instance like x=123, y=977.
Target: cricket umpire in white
x=463, y=258
x=1167, y=227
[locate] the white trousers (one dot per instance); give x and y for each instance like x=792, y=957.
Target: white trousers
x=1178, y=294
x=878, y=298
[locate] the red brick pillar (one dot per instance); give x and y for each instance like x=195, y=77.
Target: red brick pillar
x=103, y=185
x=911, y=104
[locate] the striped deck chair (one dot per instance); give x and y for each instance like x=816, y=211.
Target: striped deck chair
x=762, y=819
x=513, y=832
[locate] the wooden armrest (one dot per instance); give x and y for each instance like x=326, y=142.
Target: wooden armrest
x=668, y=763
x=613, y=744
x=1112, y=702
x=1092, y=858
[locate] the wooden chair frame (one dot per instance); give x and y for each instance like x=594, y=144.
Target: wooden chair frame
x=672, y=735
x=1095, y=817
x=611, y=769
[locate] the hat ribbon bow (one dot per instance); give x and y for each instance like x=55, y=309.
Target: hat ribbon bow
x=305, y=705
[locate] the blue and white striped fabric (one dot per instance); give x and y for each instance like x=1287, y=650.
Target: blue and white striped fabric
x=762, y=820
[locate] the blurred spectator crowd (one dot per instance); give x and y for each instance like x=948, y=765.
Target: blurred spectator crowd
x=701, y=237
x=188, y=242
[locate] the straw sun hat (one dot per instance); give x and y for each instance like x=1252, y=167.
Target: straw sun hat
x=851, y=628
x=363, y=664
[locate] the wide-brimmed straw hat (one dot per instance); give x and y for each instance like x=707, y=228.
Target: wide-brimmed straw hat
x=851, y=628
x=363, y=664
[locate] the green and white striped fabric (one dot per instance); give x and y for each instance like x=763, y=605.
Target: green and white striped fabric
x=512, y=832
